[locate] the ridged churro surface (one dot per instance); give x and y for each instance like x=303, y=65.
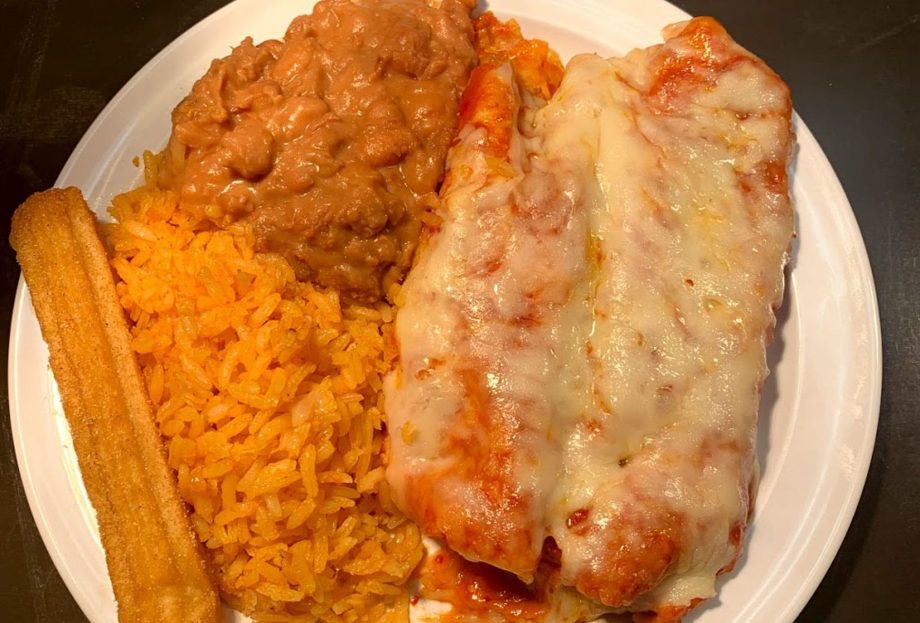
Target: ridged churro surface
x=157, y=571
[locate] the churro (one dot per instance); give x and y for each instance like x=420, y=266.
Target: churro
x=157, y=571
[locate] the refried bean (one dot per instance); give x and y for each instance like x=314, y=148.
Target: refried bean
x=330, y=143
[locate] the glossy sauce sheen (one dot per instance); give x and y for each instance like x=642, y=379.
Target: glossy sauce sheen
x=478, y=591
x=583, y=341
x=330, y=143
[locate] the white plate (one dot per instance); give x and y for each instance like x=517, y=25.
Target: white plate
x=820, y=407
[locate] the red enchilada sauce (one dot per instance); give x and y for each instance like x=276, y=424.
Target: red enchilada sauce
x=330, y=143
x=478, y=591
x=481, y=593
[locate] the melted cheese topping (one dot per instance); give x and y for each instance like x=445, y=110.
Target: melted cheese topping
x=583, y=342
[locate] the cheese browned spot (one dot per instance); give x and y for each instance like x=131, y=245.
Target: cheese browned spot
x=598, y=300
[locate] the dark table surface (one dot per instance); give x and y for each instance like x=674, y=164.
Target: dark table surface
x=854, y=70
